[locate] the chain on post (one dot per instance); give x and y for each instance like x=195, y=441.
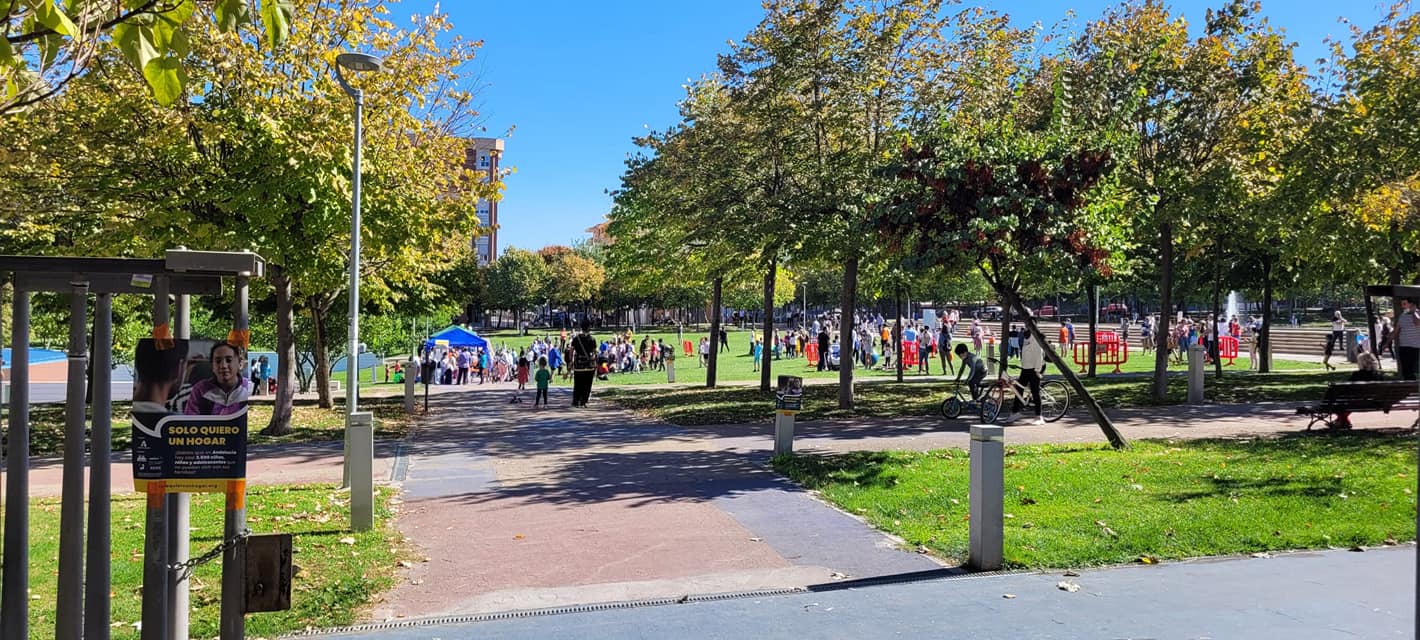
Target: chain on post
x=185, y=568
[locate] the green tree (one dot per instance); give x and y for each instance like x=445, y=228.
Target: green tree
x=517, y=281
x=48, y=43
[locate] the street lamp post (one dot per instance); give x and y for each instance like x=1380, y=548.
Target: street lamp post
x=358, y=426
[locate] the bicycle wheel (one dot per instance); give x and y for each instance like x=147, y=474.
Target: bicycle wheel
x=1054, y=400
x=951, y=407
x=991, y=405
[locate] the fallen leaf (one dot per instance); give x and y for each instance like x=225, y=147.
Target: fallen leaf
x=921, y=549
x=1072, y=574
x=416, y=581
x=756, y=539
x=1262, y=554
x=1008, y=596
x=406, y=564
x=518, y=537
x=1148, y=559
x=1358, y=548
x=1391, y=542
x=1066, y=585
x=837, y=576
x=347, y=540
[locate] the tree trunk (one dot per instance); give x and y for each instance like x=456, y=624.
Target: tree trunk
x=1092, y=295
x=847, y=303
x=897, y=333
x=1116, y=439
x=1161, y=332
x=322, y=357
x=1264, y=342
x=714, y=354
x=767, y=353
x=280, y=424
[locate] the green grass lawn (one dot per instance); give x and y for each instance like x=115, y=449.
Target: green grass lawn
x=309, y=422
x=1083, y=505
x=338, y=572
x=738, y=404
x=737, y=365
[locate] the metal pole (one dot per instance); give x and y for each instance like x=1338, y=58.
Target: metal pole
x=352, y=368
x=15, y=597
x=69, y=603
x=234, y=524
x=177, y=514
x=98, y=569
x=155, y=531
x=352, y=350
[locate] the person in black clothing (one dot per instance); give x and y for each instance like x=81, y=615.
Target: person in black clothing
x=584, y=365
x=823, y=349
x=724, y=340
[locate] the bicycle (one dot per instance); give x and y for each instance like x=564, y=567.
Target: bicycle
x=1054, y=397
x=957, y=402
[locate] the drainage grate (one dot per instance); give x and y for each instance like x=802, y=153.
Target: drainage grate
x=400, y=468
x=551, y=611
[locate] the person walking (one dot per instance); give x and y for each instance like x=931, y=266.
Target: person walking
x=1405, y=337
x=544, y=379
x=584, y=365
x=1032, y=367
x=724, y=341
x=1336, y=338
x=823, y=343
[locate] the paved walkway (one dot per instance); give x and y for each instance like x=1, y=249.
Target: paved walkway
x=1300, y=596
x=520, y=508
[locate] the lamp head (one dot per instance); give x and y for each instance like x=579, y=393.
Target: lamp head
x=359, y=62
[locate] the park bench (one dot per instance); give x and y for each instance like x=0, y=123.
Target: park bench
x=1353, y=397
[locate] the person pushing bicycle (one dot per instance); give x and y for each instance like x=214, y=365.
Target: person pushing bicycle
x=1032, y=368
x=973, y=363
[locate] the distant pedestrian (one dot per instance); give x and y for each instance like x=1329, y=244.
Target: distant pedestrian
x=1336, y=338
x=584, y=365
x=544, y=379
x=1406, y=338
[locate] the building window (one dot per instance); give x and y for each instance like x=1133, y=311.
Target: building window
x=483, y=162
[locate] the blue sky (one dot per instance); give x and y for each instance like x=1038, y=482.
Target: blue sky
x=577, y=80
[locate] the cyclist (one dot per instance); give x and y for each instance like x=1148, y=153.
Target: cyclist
x=1032, y=367
x=973, y=363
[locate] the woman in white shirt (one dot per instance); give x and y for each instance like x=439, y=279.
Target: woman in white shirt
x=1337, y=337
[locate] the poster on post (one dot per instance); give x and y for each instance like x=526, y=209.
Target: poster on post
x=189, y=415
x=789, y=397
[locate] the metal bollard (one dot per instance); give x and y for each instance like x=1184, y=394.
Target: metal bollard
x=1196, y=354
x=361, y=429
x=409, y=369
x=987, y=494
x=783, y=433
x=1352, y=346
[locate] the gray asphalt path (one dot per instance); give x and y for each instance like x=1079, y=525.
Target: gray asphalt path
x=1333, y=594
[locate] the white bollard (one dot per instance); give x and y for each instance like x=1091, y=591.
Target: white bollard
x=783, y=433
x=987, y=494
x=670, y=370
x=410, y=370
x=1196, y=355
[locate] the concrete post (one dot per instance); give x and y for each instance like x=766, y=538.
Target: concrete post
x=1196, y=354
x=670, y=370
x=362, y=480
x=232, y=620
x=410, y=368
x=98, y=568
x=987, y=495
x=783, y=433
x=178, y=515
x=14, y=596
x=69, y=605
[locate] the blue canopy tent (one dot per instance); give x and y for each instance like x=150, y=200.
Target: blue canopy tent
x=455, y=336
